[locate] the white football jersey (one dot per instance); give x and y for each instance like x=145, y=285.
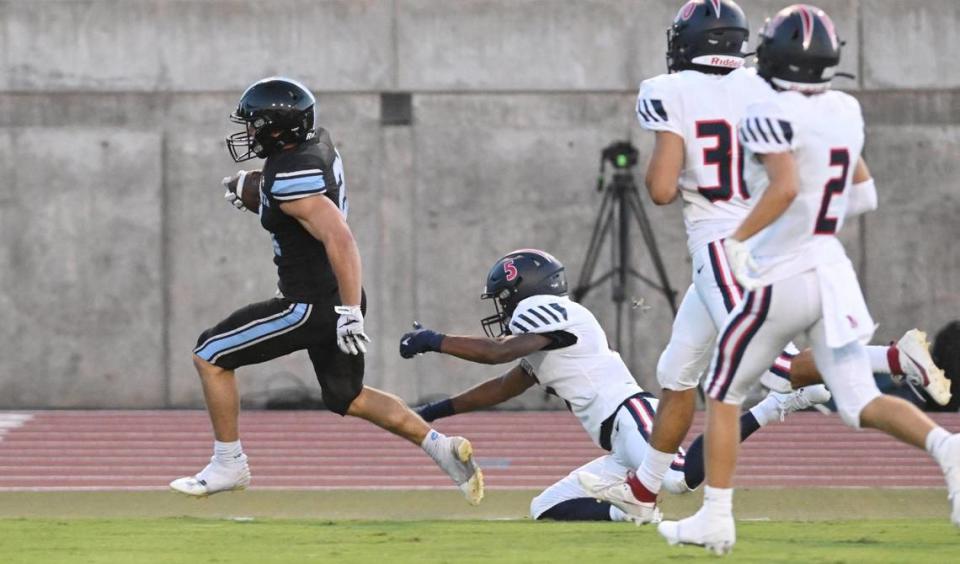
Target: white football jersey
x=825, y=134
x=704, y=109
x=587, y=375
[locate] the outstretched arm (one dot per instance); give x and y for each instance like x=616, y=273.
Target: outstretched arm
x=474, y=349
x=493, y=351
x=487, y=394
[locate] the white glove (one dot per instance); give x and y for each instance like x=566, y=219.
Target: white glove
x=741, y=263
x=230, y=195
x=350, y=335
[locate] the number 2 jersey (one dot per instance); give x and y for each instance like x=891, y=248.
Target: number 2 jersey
x=825, y=133
x=705, y=109
x=578, y=366
x=313, y=167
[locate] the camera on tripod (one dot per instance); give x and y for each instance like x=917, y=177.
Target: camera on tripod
x=621, y=154
x=621, y=204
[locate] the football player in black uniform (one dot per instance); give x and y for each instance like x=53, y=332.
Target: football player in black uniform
x=320, y=303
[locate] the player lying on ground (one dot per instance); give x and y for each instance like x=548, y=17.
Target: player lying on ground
x=694, y=110
x=803, y=146
x=320, y=304
x=561, y=346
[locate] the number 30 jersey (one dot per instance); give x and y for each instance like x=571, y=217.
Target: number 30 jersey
x=825, y=134
x=578, y=366
x=705, y=109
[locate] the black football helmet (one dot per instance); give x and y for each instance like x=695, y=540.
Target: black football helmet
x=275, y=112
x=708, y=36
x=799, y=49
x=515, y=277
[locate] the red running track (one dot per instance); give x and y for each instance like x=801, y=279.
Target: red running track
x=59, y=450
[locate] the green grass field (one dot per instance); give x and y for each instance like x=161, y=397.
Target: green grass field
x=808, y=525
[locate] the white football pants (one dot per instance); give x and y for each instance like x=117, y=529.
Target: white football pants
x=628, y=442
x=764, y=323
x=705, y=308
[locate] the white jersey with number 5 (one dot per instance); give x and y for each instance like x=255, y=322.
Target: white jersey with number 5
x=579, y=367
x=825, y=134
x=704, y=109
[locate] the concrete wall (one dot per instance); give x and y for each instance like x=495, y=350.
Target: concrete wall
x=118, y=250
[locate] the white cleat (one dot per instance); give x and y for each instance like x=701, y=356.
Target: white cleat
x=216, y=477
x=950, y=464
x=675, y=482
x=919, y=368
x=718, y=535
x=459, y=464
x=619, y=494
x=802, y=398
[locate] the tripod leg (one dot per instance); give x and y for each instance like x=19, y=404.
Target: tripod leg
x=633, y=199
x=600, y=228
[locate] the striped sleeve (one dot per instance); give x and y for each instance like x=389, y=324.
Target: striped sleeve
x=539, y=317
x=765, y=130
x=298, y=184
x=657, y=109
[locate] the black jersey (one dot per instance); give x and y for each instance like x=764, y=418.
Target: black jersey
x=313, y=167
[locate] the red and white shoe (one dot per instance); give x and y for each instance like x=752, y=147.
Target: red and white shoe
x=716, y=534
x=630, y=496
x=910, y=356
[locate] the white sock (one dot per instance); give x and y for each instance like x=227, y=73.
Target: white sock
x=878, y=359
x=617, y=514
x=228, y=453
x=718, y=501
x=767, y=411
x=433, y=443
x=654, y=466
x=935, y=439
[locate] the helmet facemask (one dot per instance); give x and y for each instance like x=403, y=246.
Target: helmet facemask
x=495, y=326
x=242, y=145
x=275, y=113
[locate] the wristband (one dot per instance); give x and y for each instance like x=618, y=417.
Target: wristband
x=436, y=410
x=433, y=341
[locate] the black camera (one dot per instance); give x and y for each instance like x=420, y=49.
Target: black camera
x=621, y=154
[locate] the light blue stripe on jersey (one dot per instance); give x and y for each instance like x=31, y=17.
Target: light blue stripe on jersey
x=215, y=346
x=297, y=186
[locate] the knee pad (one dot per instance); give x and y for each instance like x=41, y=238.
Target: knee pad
x=681, y=366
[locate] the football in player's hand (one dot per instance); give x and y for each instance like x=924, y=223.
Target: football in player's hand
x=249, y=190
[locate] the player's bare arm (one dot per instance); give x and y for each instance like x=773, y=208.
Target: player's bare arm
x=493, y=391
x=493, y=351
x=482, y=350
x=784, y=184
x=663, y=172
x=861, y=173
x=322, y=219
x=486, y=394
